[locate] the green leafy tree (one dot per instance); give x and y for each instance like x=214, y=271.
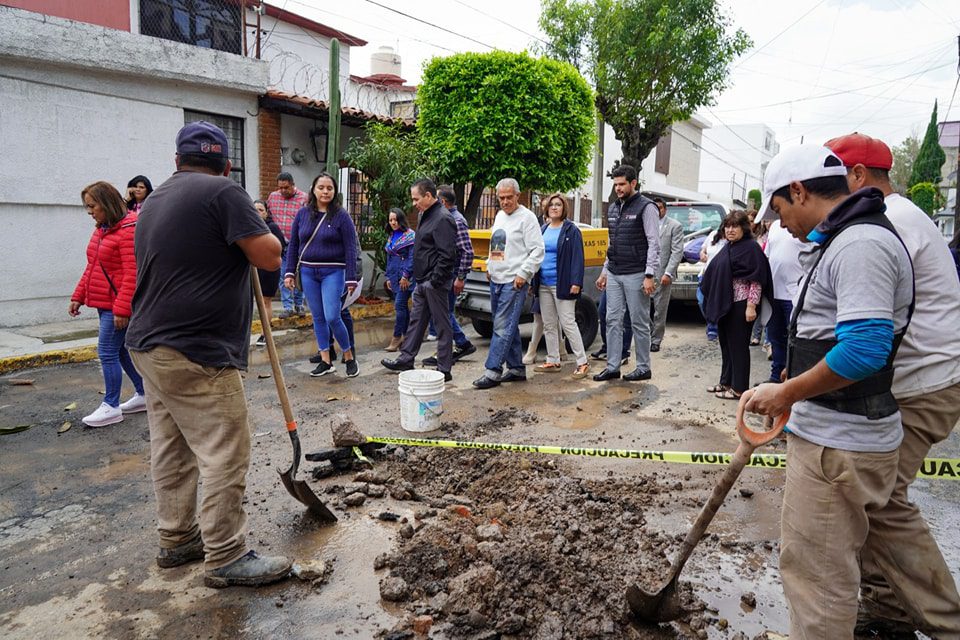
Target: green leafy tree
x=754, y=197
x=652, y=62
x=930, y=158
x=904, y=155
x=927, y=196
x=390, y=157
x=487, y=116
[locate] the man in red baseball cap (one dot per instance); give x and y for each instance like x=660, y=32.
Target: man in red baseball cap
x=920, y=592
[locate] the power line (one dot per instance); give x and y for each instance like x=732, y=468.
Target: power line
x=744, y=140
x=503, y=22
x=710, y=153
x=430, y=24
x=785, y=29
x=372, y=26
x=826, y=51
x=837, y=93
x=866, y=95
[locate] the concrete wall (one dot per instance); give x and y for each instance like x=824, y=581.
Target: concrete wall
x=66, y=123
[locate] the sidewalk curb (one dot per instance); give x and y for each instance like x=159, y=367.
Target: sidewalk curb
x=12, y=364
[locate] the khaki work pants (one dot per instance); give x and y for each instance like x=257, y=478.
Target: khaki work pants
x=829, y=501
x=198, y=429
x=919, y=588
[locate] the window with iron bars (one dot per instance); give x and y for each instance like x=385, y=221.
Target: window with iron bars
x=213, y=24
x=358, y=203
x=233, y=128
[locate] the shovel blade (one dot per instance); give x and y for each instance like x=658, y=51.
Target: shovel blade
x=303, y=493
x=661, y=606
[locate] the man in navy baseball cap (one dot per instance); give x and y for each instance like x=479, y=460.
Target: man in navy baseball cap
x=202, y=138
x=189, y=337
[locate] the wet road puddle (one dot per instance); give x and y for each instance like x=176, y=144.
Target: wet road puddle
x=119, y=465
x=727, y=582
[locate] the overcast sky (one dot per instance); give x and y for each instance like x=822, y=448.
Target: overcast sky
x=818, y=68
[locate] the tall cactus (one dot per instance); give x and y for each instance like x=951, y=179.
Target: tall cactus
x=333, y=119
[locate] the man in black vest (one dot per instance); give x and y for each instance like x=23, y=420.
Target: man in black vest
x=633, y=256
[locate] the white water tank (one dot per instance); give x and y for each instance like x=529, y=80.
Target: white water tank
x=385, y=61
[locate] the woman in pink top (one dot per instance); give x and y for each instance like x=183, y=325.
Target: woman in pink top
x=138, y=189
x=733, y=284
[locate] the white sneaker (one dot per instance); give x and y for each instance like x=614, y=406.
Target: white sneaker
x=529, y=358
x=103, y=416
x=136, y=404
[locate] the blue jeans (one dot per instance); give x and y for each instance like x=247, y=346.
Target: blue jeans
x=114, y=360
x=348, y=323
x=777, y=328
x=627, y=330
x=712, y=330
x=290, y=298
x=506, y=302
x=322, y=287
x=401, y=305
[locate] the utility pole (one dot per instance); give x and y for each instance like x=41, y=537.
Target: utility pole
x=956, y=195
x=596, y=210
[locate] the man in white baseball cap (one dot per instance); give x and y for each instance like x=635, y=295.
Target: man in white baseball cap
x=852, y=310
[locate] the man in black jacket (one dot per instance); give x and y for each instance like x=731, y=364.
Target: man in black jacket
x=434, y=261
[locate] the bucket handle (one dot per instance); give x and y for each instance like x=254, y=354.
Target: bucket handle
x=424, y=404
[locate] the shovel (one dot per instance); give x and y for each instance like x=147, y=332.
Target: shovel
x=663, y=605
x=297, y=488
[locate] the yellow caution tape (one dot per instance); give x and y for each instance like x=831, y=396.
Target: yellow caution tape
x=939, y=468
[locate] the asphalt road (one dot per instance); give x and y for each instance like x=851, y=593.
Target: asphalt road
x=77, y=536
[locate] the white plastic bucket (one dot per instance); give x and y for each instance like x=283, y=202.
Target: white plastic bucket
x=421, y=399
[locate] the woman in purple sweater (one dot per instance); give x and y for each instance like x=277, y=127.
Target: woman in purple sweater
x=323, y=246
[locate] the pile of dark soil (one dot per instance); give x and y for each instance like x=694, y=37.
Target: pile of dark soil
x=512, y=546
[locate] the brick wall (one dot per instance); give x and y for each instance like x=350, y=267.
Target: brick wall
x=269, y=142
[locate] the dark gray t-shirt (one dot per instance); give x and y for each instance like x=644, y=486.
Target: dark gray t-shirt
x=193, y=281
x=864, y=274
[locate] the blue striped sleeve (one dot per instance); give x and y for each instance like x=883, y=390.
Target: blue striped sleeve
x=862, y=348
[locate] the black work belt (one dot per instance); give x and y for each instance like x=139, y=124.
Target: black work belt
x=870, y=397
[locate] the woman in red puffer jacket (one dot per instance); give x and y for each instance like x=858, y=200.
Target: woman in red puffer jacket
x=107, y=285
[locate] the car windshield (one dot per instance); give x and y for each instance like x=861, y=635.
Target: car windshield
x=695, y=217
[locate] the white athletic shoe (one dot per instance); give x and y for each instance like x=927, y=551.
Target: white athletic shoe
x=136, y=404
x=104, y=415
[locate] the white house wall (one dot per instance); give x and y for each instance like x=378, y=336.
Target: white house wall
x=64, y=126
x=736, y=153
x=299, y=59
x=684, y=166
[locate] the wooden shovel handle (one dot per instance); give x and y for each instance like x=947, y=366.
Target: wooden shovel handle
x=758, y=438
x=265, y=315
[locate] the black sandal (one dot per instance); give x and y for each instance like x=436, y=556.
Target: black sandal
x=728, y=394
x=717, y=388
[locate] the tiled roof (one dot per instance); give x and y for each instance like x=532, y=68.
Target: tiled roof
x=351, y=113
x=280, y=13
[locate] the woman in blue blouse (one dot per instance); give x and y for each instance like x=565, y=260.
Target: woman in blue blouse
x=399, y=273
x=558, y=285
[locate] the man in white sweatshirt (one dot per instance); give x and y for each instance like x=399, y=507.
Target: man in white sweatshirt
x=905, y=583
x=516, y=251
